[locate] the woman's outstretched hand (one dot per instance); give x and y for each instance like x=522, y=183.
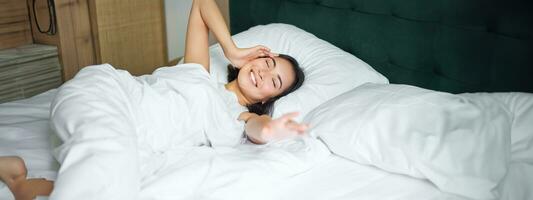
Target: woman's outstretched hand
x=282, y=128
x=240, y=56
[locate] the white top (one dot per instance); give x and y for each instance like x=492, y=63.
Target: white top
x=234, y=107
x=201, y=111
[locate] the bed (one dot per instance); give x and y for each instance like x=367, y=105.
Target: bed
x=450, y=46
x=25, y=132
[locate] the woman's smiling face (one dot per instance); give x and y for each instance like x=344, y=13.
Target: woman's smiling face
x=264, y=78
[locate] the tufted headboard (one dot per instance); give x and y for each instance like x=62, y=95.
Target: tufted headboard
x=446, y=45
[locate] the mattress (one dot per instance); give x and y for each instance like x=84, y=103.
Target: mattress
x=24, y=131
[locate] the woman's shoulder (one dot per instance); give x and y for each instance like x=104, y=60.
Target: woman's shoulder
x=184, y=73
x=180, y=69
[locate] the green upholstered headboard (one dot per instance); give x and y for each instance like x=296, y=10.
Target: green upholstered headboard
x=446, y=45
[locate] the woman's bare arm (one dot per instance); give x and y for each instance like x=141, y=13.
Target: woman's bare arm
x=205, y=16
x=262, y=129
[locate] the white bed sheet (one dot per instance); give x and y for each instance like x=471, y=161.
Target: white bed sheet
x=24, y=131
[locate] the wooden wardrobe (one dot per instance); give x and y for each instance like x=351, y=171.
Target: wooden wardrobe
x=128, y=34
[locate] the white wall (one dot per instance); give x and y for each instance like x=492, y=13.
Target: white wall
x=177, y=14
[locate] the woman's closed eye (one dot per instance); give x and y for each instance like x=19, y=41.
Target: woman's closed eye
x=268, y=65
x=277, y=82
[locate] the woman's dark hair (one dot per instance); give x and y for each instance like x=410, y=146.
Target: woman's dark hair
x=267, y=107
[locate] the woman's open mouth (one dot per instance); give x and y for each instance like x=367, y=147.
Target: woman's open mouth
x=252, y=76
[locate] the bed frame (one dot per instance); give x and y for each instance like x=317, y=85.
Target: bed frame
x=446, y=45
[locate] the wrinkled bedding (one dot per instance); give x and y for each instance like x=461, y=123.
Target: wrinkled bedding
x=121, y=133
x=461, y=143
x=113, y=163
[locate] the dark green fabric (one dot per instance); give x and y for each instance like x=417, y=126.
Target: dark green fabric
x=447, y=45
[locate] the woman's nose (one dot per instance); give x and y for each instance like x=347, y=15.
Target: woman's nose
x=265, y=69
x=264, y=72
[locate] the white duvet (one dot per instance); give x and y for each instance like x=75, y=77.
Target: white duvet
x=276, y=171
x=147, y=137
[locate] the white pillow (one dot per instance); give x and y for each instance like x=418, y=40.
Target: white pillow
x=460, y=144
x=329, y=70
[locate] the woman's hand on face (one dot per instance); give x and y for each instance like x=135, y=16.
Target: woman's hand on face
x=240, y=56
x=283, y=127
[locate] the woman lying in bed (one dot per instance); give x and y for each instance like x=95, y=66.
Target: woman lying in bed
x=259, y=78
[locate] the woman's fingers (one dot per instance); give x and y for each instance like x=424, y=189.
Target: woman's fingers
x=300, y=128
x=258, y=54
x=270, y=54
x=292, y=125
x=263, y=48
x=265, y=51
x=284, y=127
x=288, y=116
x=261, y=54
x=260, y=51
